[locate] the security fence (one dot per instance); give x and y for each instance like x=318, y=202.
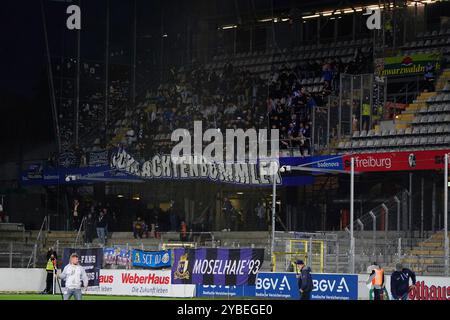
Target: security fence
x=15, y=254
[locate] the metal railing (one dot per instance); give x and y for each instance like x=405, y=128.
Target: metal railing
x=15, y=254
x=83, y=222
x=33, y=256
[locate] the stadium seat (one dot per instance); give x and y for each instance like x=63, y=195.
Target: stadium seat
x=408, y=130
x=415, y=130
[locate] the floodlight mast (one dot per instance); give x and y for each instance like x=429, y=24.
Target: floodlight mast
x=352, y=200
x=446, y=244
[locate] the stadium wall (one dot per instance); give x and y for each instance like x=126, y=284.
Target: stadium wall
x=158, y=283
x=427, y=288
x=22, y=280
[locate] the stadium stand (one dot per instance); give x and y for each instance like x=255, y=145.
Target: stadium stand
x=425, y=124
x=430, y=41
x=273, y=88
x=269, y=89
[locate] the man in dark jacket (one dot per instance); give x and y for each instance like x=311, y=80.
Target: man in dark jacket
x=90, y=228
x=400, y=282
x=305, y=284
x=102, y=226
x=227, y=212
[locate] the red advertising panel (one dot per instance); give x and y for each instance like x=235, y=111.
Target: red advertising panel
x=396, y=161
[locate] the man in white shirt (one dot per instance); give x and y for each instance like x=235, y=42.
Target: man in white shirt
x=75, y=276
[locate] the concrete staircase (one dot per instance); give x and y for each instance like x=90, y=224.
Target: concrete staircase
x=16, y=247
x=425, y=258
x=443, y=80
x=382, y=251
x=407, y=116
x=405, y=119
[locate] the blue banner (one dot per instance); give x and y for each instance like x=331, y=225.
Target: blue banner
x=47, y=175
x=268, y=285
x=84, y=175
x=277, y=286
x=151, y=259
x=334, y=287
x=224, y=291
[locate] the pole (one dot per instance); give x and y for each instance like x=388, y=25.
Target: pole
x=133, y=88
x=337, y=256
x=386, y=227
x=328, y=124
x=50, y=80
x=54, y=280
x=55, y=276
x=309, y=262
x=433, y=207
x=422, y=183
x=77, y=87
x=397, y=200
x=386, y=221
x=352, y=240
x=34, y=255
x=374, y=228
x=10, y=254
x=313, y=129
x=410, y=202
x=274, y=197
x=106, y=66
x=340, y=106
x=446, y=249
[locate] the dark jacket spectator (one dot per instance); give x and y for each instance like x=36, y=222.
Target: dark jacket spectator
x=90, y=228
x=139, y=228
x=305, y=284
x=400, y=282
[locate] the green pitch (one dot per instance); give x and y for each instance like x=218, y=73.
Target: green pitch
x=20, y=296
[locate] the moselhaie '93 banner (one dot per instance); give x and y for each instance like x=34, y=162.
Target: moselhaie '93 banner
x=212, y=266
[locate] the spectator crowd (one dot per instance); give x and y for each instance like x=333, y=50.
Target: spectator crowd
x=232, y=99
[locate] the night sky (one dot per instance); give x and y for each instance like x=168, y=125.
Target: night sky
x=22, y=50
x=23, y=90
x=24, y=95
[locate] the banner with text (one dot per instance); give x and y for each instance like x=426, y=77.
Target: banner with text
x=396, y=161
x=408, y=65
x=217, y=266
x=155, y=283
x=334, y=286
x=268, y=285
x=151, y=259
x=90, y=259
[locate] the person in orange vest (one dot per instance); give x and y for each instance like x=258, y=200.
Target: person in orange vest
x=183, y=232
x=376, y=279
